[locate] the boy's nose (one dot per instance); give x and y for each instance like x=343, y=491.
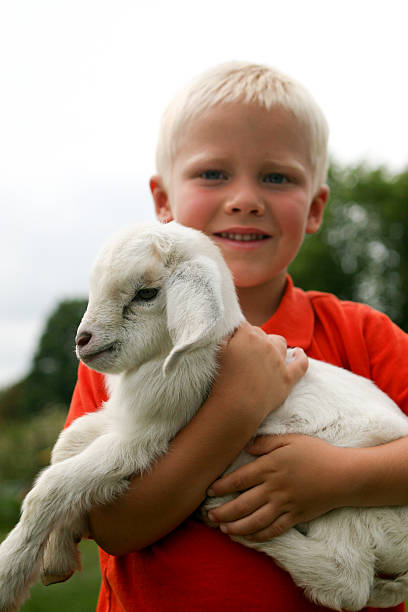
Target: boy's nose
x=243, y=204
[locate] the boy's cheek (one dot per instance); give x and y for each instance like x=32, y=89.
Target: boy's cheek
x=293, y=220
x=192, y=213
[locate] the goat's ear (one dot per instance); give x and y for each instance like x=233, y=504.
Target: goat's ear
x=194, y=306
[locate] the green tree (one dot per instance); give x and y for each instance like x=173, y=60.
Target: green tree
x=52, y=376
x=361, y=252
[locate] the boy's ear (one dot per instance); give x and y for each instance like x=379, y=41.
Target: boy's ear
x=316, y=210
x=161, y=199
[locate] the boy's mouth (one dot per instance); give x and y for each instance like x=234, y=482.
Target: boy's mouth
x=242, y=235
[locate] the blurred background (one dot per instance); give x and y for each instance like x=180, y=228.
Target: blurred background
x=83, y=86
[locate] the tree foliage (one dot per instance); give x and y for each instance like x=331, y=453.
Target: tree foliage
x=52, y=375
x=361, y=252
x=25, y=448
x=33, y=411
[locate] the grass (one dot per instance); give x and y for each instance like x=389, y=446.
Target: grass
x=79, y=594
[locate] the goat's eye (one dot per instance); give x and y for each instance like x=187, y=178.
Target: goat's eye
x=146, y=295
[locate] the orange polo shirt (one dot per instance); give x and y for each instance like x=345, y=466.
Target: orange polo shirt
x=196, y=568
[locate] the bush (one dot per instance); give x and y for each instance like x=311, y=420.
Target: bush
x=25, y=449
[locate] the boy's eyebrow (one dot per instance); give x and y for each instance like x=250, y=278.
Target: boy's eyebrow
x=208, y=158
x=205, y=158
x=285, y=164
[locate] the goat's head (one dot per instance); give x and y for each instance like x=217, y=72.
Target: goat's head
x=156, y=291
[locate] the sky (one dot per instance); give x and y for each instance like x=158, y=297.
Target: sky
x=83, y=85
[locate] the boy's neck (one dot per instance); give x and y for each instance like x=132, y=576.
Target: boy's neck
x=259, y=303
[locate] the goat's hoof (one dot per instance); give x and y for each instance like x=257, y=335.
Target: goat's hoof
x=48, y=579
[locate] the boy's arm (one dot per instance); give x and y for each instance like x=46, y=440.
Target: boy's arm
x=253, y=380
x=297, y=478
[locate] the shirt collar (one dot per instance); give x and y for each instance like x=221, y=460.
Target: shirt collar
x=294, y=317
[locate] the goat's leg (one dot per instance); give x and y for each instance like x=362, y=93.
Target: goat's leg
x=80, y=434
x=391, y=557
x=63, y=492
x=333, y=563
x=338, y=581
x=388, y=592
x=61, y=556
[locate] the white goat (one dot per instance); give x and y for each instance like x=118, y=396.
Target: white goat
x=161, y=301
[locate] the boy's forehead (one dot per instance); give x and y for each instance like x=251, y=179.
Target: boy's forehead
x=222, y=129
x=239, y=118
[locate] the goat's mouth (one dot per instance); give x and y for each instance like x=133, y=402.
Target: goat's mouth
x=91, y=355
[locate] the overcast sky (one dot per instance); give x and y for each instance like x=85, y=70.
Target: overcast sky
x=83, y=84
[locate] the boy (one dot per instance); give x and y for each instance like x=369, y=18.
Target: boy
x=242, y=156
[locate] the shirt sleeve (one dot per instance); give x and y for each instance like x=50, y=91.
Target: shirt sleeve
x=387, y=347
x=89, y=394
x=363, y=340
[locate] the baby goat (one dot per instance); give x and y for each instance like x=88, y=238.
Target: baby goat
x=161, y=301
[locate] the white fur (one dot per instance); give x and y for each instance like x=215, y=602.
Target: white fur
x=160, y=355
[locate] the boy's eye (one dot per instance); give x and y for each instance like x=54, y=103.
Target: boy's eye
x=275, y=177
x=213, y=175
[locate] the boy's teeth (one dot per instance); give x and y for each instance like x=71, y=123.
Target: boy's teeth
x=244, y=237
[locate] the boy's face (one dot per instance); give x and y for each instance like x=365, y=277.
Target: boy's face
x=242, y=176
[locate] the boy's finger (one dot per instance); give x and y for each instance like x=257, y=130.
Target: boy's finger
x=298, y=365
x=265, y=444
x=278, y=341
x=241, y=479
x=252, y=524
x=279, y=526
x=243, y=505
x=261, y=445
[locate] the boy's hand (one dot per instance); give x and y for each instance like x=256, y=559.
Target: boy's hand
x=293, y=480
x=254, y=375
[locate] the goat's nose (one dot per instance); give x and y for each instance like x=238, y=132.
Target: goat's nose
x=83, y=338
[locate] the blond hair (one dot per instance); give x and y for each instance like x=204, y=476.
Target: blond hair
x=246, y=83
